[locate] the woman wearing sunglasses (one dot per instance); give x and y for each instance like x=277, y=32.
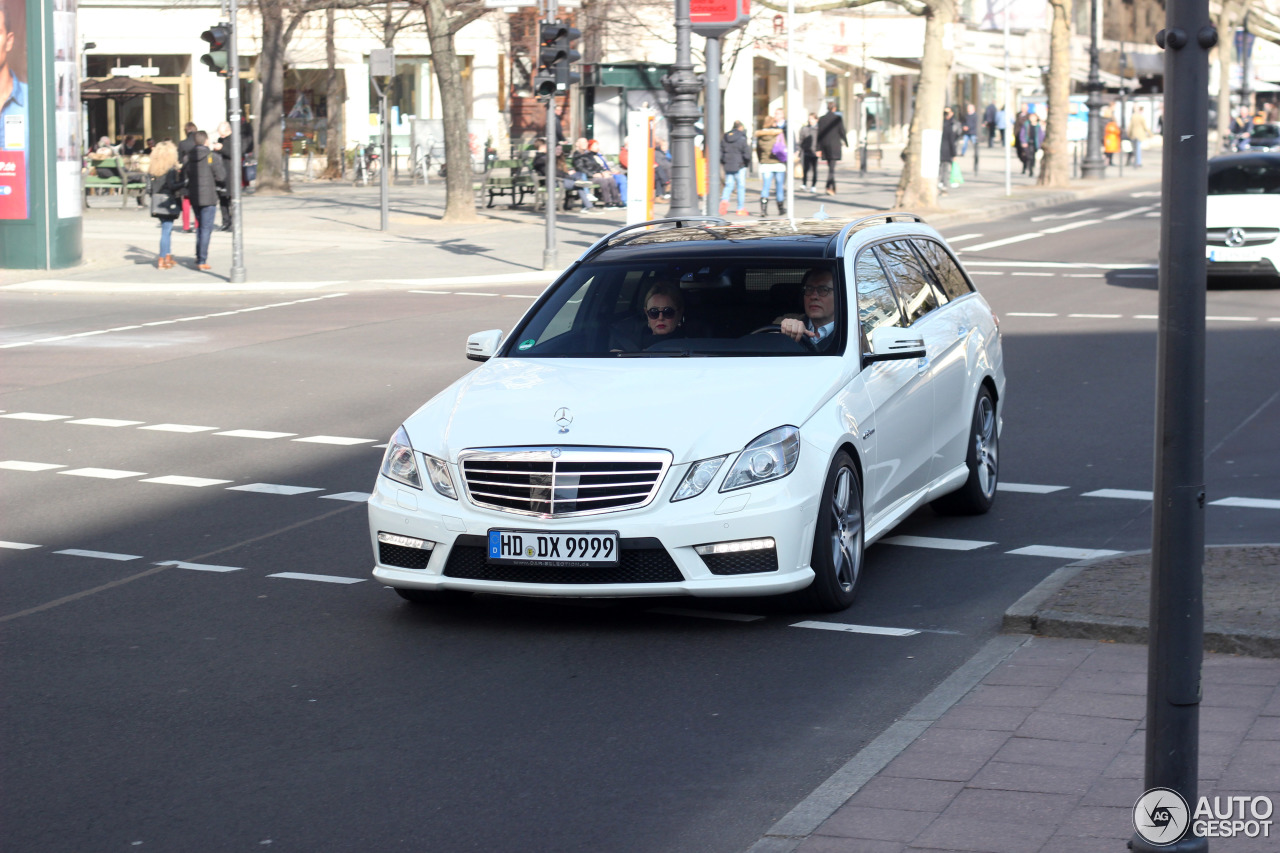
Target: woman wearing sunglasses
x=664, y=310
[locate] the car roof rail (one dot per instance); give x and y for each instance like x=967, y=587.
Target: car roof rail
x=676, y=221
x=888, y=219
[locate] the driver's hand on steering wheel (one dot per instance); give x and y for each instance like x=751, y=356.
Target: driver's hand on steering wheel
x=795, y=329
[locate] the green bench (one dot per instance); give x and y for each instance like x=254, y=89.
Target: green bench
x=504, y=180
x=115, y=183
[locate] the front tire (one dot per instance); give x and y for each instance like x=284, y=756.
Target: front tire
x=983, y=461
x=837, y=540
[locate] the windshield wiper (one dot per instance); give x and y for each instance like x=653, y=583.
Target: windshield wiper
x=676, y=353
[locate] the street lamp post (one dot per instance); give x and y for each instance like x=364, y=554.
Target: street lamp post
x=1094, y=166
x=684, y=86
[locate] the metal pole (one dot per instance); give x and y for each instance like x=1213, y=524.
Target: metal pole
x=549, y=261
x=1124, y=124
x=713, y=128
x=683, y=85
x=1007, y=131
x=789, y=114
x=238, y=274
x=1094, y=166
x=384, y=199
x=1246, y=50
x=1176, y=637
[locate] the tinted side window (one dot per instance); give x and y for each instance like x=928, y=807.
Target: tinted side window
x=948, y=274
x=877, y=305
x=909, y=278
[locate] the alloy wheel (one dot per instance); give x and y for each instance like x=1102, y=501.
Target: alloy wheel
x=846, y=530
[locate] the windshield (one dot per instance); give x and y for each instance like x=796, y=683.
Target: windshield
x=1262, y=132
x=691, y=307
x=1245, y=178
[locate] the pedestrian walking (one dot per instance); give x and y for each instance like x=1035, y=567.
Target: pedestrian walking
x=947, y=148
x=809, y=154
x=1002, y=125
x=969, y=129
x=184, y=151
x=223, y=147
x=1138, y=134
x=771, y=152
x=989, y=122
x=831, y=142
x=735, y=159
x=1030, y=143
x=202, y=171
x=164, y=183
x=1110, y=138
x=1018, y=121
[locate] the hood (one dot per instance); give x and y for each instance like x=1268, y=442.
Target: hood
x=694, y=407
x=1243, y=210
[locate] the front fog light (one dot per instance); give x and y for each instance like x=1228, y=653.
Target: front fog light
x=405, y=541
x=700, y=475
x=765, y=544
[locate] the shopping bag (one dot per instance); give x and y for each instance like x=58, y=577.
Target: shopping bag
x=957, y=178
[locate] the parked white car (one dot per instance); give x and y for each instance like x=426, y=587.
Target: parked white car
x=1243, y=215
x=700, y=408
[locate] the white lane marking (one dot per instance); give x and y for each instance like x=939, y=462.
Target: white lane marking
x=199, y=567
x=706, y=614
x=105, y=422
x=302, y=576
x=1084, y=275
x=1248, y=503
x=1273, y=319
x=273, y=489
x=1029, y=488
x=1145, y=194
x=17, y=546
x=44, y=284
x=177, y=480
x=255, y=433
x=476, y=293
x=1072, y=215
x=178, y=428
x=1130, y=212
x=17, y=465
x=354, y=497
x=986, y=272
x=1097, y=316
x=433, y=292
x=1136, y=275
x=103, y=473
x=857, y=629
x=100, y=555
x=963, y=237
x=1007, y=241
x=34, y=416
x=520, y=295
x=1071, y=226
x=544, y=277
x=1119, y=494
x=335, y=439
x=1060, y=265
x=1155, y=215
x=1063, y=553
x=1029, y=314
x=932, y=542
x=1146, y=316
x=1033, y=274
x=1222, y=319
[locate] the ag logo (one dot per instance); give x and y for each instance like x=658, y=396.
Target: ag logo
x=1160, y=816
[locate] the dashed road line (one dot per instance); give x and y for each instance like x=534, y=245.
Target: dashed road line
x=303, y=576
x=103, y=473
x=188, y=428
x=1044, y=217
x=18, y=546
x=17, y=465
x=104, y=422
x=1096, y=316
x=1222, y=319
x=255, y=433
x=335, y=439
x=1071, y=226
x=1063, y=553
x=199, y=567
x=338, y=440
x=99, y=555
x=34, y=416
x=1133, y=211
x=1120, y=494
x=1007, y=241
x=193, y=482
x=932, y=542
x=354, y=497
x=1247, y=503
x=1029, y=488
x=274, y=489
x=857, y=629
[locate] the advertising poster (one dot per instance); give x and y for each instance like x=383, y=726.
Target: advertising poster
x=66, y=78
x=15, y=129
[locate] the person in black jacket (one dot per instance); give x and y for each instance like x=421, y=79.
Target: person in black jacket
x=184, y=151
x=947, y=147
x=831, y=142
x=735, y=157
x=203, y=172
x=809, y=154
x=164, y=183
x=223, y=147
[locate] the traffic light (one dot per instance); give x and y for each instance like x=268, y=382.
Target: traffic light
x=218, y=37
x=555, y=56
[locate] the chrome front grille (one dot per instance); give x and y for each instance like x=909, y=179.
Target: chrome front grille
x=558, y=482
x=1251, y=236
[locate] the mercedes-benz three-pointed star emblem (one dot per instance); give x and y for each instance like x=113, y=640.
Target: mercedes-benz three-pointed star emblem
x=1235, y=237
x=563, y=417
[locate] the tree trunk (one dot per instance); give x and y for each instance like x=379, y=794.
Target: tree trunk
x=335, y=106
x=270, y=144
x=1228, y=17
x=460, y=198
x=1055, y=170
x=918, y=185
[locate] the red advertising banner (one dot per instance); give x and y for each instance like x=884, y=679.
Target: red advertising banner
x=714, y=18
x=13, y=185
x=15, y=132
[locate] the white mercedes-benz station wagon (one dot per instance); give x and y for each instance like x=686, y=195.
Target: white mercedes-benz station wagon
x=702, y=408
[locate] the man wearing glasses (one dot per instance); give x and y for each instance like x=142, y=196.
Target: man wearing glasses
x=817, y=325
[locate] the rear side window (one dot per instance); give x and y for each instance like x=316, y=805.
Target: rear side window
x=877, y=305
x=909, y=278
x=945, y=270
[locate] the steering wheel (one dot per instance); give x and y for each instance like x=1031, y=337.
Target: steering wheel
x=772, y=327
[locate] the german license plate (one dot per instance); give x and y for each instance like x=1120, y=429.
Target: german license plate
x=1236, y=254
x=593, y=548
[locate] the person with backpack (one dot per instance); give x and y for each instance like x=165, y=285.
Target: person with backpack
x=771, y=151
x=203, y=172
x=164, y=183
x=735, y=159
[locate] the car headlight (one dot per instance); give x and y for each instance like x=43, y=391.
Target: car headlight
x=398, y=464
x=772, y=456
x=698, y=477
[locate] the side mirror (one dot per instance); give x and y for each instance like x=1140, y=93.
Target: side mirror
x=483, y=345
x=894, y=343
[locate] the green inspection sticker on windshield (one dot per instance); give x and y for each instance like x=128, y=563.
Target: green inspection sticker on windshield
x=524, y=345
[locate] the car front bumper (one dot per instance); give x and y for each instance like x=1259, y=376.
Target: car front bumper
x=657, y=541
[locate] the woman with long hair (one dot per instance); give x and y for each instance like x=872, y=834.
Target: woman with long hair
x=164, y=182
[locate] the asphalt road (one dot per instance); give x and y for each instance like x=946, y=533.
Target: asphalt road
x=167, y=689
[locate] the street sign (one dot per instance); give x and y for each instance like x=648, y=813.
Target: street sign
x=382, y=62
x=713, y=18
